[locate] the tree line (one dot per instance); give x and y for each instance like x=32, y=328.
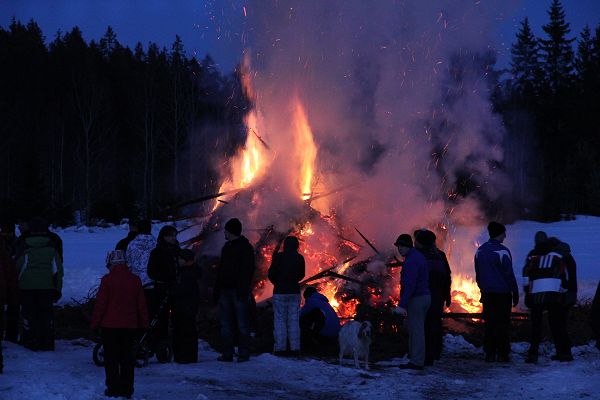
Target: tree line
x=109, y=131
x=551, y=107
x=113, y=132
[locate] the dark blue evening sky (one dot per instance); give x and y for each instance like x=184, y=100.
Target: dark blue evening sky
x=194, y=21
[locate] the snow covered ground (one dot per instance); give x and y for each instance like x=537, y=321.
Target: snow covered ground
x=69, y=372
x=462, y=374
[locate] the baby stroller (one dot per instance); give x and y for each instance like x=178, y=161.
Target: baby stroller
x=146, y=347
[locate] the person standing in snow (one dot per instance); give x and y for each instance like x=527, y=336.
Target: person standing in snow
x=133, y=232
x=319, y=323
x=543, y=278
x=139, y=249
x=233, y=291
x=119, y=312
x=440, y=282
x=186, y=300
x=595, y=317
x=285, y=272
x=569, y=298
x=8, y=289
x=162, y=270
x=40, y=271
x=13, y=310
x=496, y=280
x=415, y=299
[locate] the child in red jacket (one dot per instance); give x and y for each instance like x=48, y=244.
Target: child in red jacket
x=120, y=310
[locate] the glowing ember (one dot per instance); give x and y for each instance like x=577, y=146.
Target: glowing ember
x=466, y=293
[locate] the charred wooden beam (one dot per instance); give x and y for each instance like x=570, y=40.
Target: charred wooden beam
x=195, y=201
x=397, y=263
x=323, y=273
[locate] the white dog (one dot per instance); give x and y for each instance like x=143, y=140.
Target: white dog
x=355, y=339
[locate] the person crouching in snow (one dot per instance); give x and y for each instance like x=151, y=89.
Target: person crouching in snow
x=120, y=310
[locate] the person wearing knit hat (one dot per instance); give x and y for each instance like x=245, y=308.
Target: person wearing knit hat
x=119, y=311
x=233, y=291
x=234, y=226
x=496, y=229
x=415, y=299
x=425, y=237
x=496, y=280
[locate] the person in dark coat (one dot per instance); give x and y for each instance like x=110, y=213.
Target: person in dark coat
x=13, y=310
x=162, y=270
x=543, y=278
x=440, y=282
x=133, y=232
x=8, y=289
x=569, y=298
x=186, y=299
x=319, y=323
x=415, y=299
x=233, y=291
x=496, y=280
x=119, y=311
x=286, y=271
x=595, y=317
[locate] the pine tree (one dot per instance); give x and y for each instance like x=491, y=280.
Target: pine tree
x=557, y=51
x=584, y=59
x=525, y=65
x=109, y=43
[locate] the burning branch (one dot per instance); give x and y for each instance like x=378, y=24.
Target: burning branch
x=260, y=139
x=397, y=263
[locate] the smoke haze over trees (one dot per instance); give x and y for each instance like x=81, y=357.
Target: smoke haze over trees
x=116, y=132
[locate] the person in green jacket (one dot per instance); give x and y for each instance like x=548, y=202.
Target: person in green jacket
x=40, y=273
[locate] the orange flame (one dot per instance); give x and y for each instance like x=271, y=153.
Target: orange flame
x=251, y=161
x=305, y=143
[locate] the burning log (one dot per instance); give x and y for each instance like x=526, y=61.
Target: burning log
x=325, y=272
x=175, y=207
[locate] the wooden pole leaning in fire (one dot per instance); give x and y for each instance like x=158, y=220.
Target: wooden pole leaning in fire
x=325, y=272
x=397, y=263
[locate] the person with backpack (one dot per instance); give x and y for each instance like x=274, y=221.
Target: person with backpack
x=40, y=271
x=119, y=312
x=285, y=272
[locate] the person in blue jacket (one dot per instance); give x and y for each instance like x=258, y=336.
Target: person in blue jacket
x=415, y=299
x=319, y=323
x=496, y=280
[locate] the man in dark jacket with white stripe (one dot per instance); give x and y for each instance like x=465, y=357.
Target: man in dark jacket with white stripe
x=544, y=276
x=496, y=280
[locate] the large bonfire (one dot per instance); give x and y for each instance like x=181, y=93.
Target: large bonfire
x=280, y=191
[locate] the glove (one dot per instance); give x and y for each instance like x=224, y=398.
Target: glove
x=515, y=299
x=400, y=311
x=56, y=295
